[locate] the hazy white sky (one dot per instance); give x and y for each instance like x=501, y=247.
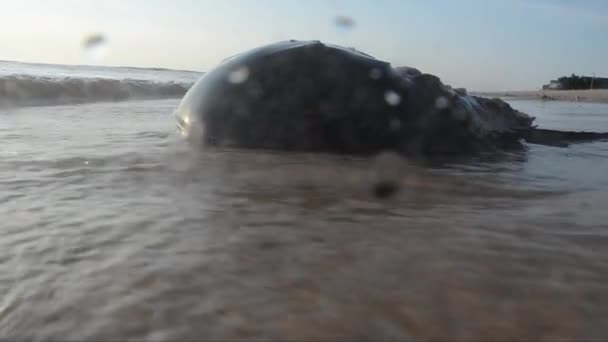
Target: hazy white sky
x=478, y=44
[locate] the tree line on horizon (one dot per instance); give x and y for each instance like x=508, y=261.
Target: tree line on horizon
x=576, y=82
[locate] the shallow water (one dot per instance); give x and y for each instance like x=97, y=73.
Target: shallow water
x=114, y=229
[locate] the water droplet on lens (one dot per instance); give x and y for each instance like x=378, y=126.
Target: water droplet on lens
x=386, y=174
x=239, y=75
x=441, y=102
x=392, y=98
x=95, y=46
x=94, y=39
x=375, y=73
x=344, y=22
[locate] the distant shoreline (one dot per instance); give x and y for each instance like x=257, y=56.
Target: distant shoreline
x=102, y=66
x=594, y=95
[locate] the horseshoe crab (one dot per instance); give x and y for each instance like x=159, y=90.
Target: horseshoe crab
x=311, y=96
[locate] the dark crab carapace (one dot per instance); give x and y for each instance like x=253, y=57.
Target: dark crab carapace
x=310, y=96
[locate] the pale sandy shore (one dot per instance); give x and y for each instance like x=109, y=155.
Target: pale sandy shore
x=595, y=95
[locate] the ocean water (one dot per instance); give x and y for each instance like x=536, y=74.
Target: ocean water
x=26, y=84
x=113, y=228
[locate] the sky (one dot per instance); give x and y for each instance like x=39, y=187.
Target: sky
x=478, y=44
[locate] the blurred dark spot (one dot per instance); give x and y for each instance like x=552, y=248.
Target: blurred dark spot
x=385, y=189
x=387, y=170
x=94, y=40
x=268, y=245
x=94, y=48
x=344, y=22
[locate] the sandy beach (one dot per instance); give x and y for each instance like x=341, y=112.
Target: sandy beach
x=595, y=95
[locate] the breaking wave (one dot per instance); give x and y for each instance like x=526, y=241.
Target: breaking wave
x=26, y=90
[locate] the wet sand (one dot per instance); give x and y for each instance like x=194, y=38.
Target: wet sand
x=595, y=95
x=114, y=229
